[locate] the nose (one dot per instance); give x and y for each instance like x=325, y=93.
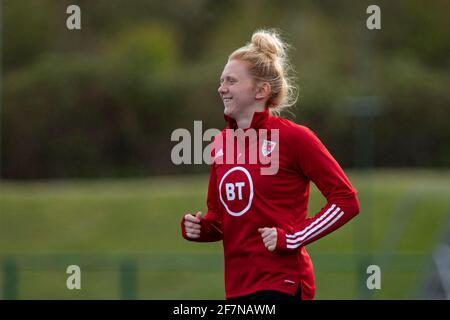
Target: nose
x=222, y=89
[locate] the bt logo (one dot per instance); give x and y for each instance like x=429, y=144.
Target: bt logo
x=230, y=187
x=236, y=191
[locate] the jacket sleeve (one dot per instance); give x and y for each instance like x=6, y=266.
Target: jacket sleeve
x=211, y=222
x=315, y=162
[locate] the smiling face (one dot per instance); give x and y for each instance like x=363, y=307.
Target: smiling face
x=237, y=88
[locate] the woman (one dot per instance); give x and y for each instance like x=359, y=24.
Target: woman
x=262, y=218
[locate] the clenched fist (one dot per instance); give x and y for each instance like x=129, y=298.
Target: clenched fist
x=269, y=237
x=192, y=225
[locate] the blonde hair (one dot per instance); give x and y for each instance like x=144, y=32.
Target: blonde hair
x=266, y=56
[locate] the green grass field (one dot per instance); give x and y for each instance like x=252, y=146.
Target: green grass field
x=109, y=225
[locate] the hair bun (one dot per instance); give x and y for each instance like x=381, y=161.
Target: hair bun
x=268, y=42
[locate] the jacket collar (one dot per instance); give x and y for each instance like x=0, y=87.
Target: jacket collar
x=258, y=121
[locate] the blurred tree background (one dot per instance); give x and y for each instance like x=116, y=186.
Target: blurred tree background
x=103, y=101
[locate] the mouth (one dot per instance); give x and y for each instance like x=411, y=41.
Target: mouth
x=227, y=99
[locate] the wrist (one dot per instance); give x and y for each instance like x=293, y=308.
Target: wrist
x=281, y=245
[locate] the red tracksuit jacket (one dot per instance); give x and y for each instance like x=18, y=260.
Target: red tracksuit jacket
x=241, y=199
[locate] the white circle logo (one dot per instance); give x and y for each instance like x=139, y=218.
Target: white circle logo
x=237, y=191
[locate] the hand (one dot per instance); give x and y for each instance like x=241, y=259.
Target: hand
x=269, y=236
x=192, y=225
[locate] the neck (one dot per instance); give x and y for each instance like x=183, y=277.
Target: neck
x=244, y=120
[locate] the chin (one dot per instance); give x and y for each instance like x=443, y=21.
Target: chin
x=227, y=111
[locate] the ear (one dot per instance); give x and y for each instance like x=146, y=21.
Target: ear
x=263, y=90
